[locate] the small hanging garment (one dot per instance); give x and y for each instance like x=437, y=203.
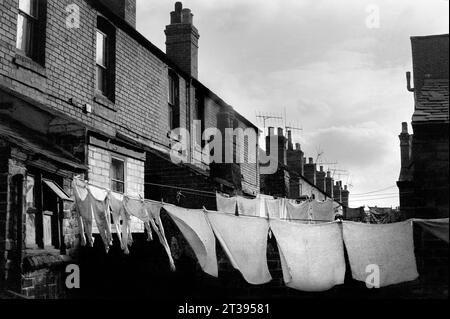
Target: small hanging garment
x=154, y=212
x=244, y=240
x=196, y=229
x=390, y=247
x=299, y=213
x=135, y=207
x=248, y=207
x=84, y=210
x=101, y=214
x=437, y=227
x=312, y=256
x=226, y=204
x=322, y=211
x=118, y=215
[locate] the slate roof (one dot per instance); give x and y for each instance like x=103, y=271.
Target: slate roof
x=432, y=102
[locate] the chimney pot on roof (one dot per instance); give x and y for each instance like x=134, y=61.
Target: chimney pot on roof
x=404, y=127
x=186, y=16
x=321, y=168
x=297, y=146
x=182, y=40
x=280, y=131
x=290, y=145
x=345, y=187
x=311, y=160
x=271, y=131
x=328, y=174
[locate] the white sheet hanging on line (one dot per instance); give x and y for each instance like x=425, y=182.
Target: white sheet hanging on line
x=312, y=256
x=226, y=204
x=273, y=208
x=99, y=202
x=322, y=211
x=244, y=240
x=196, y=229
x=263, y=212
x=390, y=247
x=83, y=207
x=135, y=207
x=122, y=221
x=299, y=213
x=154, y=212
x=248, y=207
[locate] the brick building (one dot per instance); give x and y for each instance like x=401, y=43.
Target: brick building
x=295, y=177
x=82, y=93
x=423, y=180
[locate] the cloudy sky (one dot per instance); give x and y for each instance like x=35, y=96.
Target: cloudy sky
x=317, y=61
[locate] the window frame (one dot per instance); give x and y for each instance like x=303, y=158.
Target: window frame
x=173, y=100
x=105, y=28
x=112, y=181
x=36, y=25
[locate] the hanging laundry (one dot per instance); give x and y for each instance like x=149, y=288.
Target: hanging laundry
x=262, y=204
x=196, y=229
x=322, y=211
x=135, y=207
x=154, y=212
x=244, y=240
x=248, y=207
x=100, y=211
x=387, y=246
x=118, y=215
x=226, y=204
x=299, y=213
x=273, y=208
x=312, y=256
x=437, y=227
x=83, y=208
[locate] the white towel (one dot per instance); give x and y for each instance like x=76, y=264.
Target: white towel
x=388, y=246
x=312, y=256
x=153, y=210
x=226, y=204
x=273, y=208
x=437, y=227
x=299, y=213
x=244, y=240
x=322, y=211
x=248, y=207
x=196, y=229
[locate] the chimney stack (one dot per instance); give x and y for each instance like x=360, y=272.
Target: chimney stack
x=125, y=9
x=344, y=196
x=310, y=171
x=298, y=147
x=282, y=155
x=321, y=179
x=405, y=152
x=290, y=145
x=329, y=182
x=182, y=40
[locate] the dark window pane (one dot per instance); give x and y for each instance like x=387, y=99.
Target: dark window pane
x=118, y=187
x=117, y=175
x=170, y=117
x=101, y=83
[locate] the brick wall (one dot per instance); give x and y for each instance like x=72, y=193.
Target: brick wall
x=430, y=155
x=99, y=161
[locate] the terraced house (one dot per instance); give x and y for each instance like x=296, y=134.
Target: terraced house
x=82, y=93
